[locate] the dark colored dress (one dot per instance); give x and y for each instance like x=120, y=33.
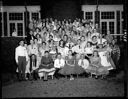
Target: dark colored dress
x=67, y=69
x=45, y=61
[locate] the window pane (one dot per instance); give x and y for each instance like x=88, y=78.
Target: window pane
x=20, y=29
x=15, y=16
x=107, y=15
x=104, y=27
x=111, y=27
x=88, y=15
x=1, y=24
x=5, y=24
x=35, y=16
x=12, y=27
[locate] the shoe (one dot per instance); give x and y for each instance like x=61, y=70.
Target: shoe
x=72, y=78
x=96, y=77
x=45, y=80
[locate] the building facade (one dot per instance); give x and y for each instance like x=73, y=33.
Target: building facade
x=15, y=17
x=110, y=17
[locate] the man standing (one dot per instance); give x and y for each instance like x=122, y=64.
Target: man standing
x=21, y=58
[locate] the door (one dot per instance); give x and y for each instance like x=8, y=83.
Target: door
x=108, y=25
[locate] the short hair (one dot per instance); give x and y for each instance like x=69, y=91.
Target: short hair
x=46, y=52
x=44, y=43
x=94, y=36
x=58, y=54
x=95, y=51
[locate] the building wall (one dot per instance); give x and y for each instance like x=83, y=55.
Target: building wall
x=14, y=17
x=107, y=22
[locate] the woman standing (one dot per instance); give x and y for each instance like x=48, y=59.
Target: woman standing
x=115, y=53
x=69, y=66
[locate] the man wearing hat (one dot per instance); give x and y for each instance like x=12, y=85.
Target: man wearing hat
x=21, y=58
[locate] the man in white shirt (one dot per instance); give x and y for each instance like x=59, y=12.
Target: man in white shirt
x=84, y=63
x=58, y=64
x=78, y=48
x=32, y=48
x=21, y=58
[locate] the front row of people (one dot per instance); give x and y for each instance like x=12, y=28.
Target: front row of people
x=98, y=64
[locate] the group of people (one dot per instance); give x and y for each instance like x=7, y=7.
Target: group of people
x=67, y=48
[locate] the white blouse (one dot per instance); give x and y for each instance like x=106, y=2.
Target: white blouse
x=59, y=63
x=85, y=63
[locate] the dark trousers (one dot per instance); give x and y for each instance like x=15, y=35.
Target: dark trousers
x=21, y=66
x=35, y=74
x=56, y=74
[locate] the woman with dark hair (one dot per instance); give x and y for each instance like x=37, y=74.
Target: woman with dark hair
x=94, y=41
x=89, y=36
x=96, y=67
x=88, y=49
x=39, y=39
x=33, y=67
x=46, y=66
x=69, y=68
x=43, y=48
x=62, y=49
x=65, y=39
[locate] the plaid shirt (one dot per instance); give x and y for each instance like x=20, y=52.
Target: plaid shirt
x=116, y=50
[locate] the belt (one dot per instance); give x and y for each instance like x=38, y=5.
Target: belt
x=21, y=56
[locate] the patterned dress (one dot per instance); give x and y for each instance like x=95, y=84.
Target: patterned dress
x=67, y=69
x=96, y=67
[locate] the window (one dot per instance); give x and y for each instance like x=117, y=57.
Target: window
x=122, y=14
x=15, y=16
x=104, y=27
x=1, y=24
x=20, y=29
x=107, y=15
x=12, y=27
x=88, y=15
x=111, y=27
x=5, y=24
x=35, y=16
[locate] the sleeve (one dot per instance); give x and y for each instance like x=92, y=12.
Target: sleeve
x=29, y=50
x=118, y=51
x=63, y=63
x=26, y=55
x=55, y=64
x=16, y=55
x=79, y=62
x=87, y=63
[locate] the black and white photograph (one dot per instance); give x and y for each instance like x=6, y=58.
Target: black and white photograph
x=63, y=48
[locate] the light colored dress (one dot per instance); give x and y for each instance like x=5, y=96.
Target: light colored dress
x=104, y=60
x=96, y=67
x=67, y=69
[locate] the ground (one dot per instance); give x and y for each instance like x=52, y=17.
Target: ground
x=80, y=87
